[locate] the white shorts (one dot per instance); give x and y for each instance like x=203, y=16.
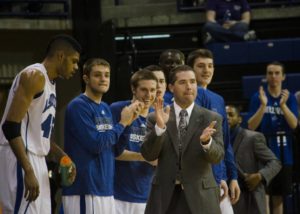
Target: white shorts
x=225, y=205
x=76, y=204
x=124, y=207
x=12, y=184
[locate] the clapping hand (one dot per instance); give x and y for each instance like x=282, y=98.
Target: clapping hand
x=131, y=112
x=161, y=114
x=262, y=96
x=208, y=132
x=284, y=97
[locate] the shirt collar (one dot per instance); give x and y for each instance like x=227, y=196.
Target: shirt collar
x=177, y=109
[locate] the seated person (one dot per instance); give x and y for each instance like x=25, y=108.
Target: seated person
x=227, y=20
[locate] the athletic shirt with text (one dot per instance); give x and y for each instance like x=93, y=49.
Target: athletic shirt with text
x=38, y=121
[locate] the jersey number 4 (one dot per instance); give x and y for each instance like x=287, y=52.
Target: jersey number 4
x=48, y=125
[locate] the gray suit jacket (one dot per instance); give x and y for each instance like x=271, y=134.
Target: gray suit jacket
x=252, y=155
x=200, y=188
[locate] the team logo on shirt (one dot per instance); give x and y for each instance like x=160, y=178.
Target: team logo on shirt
x=274, y=110
x=138, y=134
x=51, y=102
x=103, y=124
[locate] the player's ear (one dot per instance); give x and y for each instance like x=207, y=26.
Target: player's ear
x=85, y=79
x=171, y=88
x=240, y=119
x=133, y=90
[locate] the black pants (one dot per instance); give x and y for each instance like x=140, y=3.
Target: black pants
x=178, y=204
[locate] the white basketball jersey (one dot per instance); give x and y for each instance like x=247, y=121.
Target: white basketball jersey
x=39, y=119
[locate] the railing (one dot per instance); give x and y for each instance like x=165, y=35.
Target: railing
x=34, y=8
x=199, y=5
x=8, y=73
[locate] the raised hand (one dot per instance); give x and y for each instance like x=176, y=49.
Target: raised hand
x=284, y=97
x=131, y=112
x=208, y=132
x=32, y=189
x=161, y=115
x=262, y=96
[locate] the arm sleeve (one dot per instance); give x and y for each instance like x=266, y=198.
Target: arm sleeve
x=292, y=104
x=229, y=160
x=82, y=124
x=270, y=164
x=124, y=138
x=253, y=106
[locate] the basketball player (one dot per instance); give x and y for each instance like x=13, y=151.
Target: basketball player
x=26, y=129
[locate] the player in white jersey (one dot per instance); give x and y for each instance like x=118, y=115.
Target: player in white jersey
x=26, y=129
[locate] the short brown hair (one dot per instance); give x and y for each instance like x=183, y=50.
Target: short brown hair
x=90, y=63
x=203, y=53
x=142, y=74
x=278, y=64
x=180, y=68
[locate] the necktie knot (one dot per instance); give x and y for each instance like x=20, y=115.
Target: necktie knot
x=183, y=113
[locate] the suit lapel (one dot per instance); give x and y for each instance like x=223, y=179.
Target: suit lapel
x=194, y=125
x=172, y=129
x=238, y=140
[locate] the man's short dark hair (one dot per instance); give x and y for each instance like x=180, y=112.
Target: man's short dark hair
x=178, y=69
x=236, y=108
x=278, y=64
x=90, y=63
x=174, y=51
x=62, y=42
x=142, y=74
x=203, y=53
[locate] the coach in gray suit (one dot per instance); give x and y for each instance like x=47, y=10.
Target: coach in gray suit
x=256, y=165
x=186, y=140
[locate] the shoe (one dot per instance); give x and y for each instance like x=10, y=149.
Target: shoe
x=250, y=36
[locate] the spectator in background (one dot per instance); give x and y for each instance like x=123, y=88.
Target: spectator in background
x=274, y=113
x=227, y=20
x=256, y=164
x=168, y=60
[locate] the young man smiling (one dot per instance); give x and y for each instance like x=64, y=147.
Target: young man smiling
x=90, y=136
x=133, y=174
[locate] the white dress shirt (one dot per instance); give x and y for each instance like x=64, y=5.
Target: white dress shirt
x=159, y=131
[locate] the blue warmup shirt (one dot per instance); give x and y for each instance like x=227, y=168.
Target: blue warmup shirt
x=132, y=178
x=235, y=7
x=89, y=139
x=168, y=98
x=214, y=102
x=274, y=125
